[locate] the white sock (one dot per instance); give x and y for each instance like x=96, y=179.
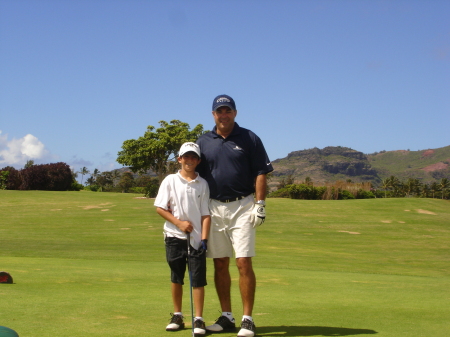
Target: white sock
x=178, y=313
x=228, y=315
x=247, y=317
x=198, y=318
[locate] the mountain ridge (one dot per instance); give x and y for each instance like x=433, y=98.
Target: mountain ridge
x=334, y=163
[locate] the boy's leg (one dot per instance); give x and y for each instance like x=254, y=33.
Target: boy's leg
x=176, y=323
x=199, y=323
x=199, y=299
x=177, y=297
x=176, y=258
x=197, y=263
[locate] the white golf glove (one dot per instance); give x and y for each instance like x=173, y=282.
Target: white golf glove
x=258, y=215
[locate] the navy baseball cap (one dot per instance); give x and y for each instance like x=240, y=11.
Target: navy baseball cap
x=223, y=100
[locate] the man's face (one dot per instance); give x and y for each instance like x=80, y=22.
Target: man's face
x=224, y=118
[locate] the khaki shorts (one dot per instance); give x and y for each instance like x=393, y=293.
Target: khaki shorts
x=231, y=229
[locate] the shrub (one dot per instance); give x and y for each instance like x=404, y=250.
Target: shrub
x=126, y=182
x=13, y=179
x=48, y=177
x=3, y=179
x=137, y=189
x=280, y=193
x=76, y=186
x=306, y=192
x=151, y=190
x=149, y=186
x=364, y=194
x=346, y=195
x=93, y=188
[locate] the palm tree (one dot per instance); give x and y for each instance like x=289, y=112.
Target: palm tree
x=444, y=184
x=95, y=174
x=308, y=181
x=395, y=184
x=83, y=172
x=29, y=163
x=115, y=175
x=425, y=191
x=409, y=187
x=385, y=185
x=434, y=188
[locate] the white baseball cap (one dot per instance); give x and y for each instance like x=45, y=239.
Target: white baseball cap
x=189, y=147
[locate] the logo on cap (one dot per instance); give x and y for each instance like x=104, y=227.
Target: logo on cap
x=223, y=100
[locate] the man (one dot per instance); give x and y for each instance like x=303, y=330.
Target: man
x=235, y=164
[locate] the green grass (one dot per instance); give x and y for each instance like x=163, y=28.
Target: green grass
x=92, y=264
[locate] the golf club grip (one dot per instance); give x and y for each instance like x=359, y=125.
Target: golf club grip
x=189, y=243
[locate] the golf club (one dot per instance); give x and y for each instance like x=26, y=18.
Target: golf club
x=190, y=280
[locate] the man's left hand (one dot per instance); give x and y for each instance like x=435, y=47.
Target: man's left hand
x=258, y=215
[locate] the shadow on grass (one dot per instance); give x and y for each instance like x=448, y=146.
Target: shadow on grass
x=293, y=331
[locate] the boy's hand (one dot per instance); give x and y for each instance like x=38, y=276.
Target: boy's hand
x=204, y=245
x=185, y=226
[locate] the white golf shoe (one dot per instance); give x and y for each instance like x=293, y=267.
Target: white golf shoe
x=247, y=328
x=199, y=328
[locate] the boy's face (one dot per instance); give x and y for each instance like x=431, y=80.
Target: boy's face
x=189, y=161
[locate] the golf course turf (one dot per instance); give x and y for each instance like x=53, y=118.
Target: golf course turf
x=93, y=264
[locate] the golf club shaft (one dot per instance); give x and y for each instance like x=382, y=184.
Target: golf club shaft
x=190, y=279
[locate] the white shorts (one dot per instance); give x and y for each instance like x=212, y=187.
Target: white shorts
x=231, y=229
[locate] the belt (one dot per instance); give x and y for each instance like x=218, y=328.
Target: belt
x=232, y=199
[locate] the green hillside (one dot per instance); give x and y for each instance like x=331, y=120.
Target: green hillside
x=427, y=165
x=341, y=163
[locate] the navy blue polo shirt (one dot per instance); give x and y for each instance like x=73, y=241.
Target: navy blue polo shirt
x=230, y=165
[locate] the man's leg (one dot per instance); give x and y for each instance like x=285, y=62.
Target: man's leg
x=247, y=283
x=222, y=281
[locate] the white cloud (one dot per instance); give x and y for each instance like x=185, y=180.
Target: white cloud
x=16, y=152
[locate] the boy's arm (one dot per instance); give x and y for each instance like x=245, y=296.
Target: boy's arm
x=183, y=225
x=206, y=224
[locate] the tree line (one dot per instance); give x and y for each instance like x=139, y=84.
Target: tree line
x=393, y=187
x=126, y=182
x=157, y=150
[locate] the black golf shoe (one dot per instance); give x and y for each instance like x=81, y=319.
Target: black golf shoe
x=222, y=324
x=176, y=323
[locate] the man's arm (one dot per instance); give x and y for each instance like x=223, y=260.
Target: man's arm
x=260, y=187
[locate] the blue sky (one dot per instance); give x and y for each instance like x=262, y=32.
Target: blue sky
x=78, y=78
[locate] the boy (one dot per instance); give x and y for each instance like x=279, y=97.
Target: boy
x=182, y=201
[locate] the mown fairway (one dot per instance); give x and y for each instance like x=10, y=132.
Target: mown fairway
x=93, y=264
